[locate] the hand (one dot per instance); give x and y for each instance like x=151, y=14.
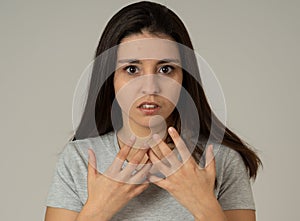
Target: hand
x=109, y=192
x=189, y=184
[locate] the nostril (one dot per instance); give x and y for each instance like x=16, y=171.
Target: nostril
x=150, y=85
x=150, y=90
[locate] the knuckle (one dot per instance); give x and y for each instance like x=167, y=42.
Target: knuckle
x=134, y=161
x=121, y=155
x=142, y=152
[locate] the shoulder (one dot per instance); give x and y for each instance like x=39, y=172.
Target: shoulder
x=68, y=189
x=233, y=188
x=91, y=142
x=75, y=153
x=227, y=158
x=230, y=166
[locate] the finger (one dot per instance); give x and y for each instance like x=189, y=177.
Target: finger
x=141, y=175
x=139, y=156
x=144, y=167
x=157, y=152
x=210, y=159
x=158, y=164
x=166, y=151
x=92, y=164
x=122, y=155
x=179, y=143
x=134, y=163
x=162, y=183
x=140, y=188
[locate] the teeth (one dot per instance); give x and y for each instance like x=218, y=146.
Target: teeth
x=149, y=106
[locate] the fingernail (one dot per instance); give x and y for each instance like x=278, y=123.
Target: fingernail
x=132, y=138
x=145, y=146
x=156, y=137
x=171, y=130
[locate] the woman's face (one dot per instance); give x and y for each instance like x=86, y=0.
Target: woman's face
x=147, y=79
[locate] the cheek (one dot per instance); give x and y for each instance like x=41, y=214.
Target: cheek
x=170, y=106
x=117, y=82
x=126, y=93
x=119, y=85
x=172, y=94
x=179, y=77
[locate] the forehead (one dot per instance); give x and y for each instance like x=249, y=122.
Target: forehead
x=140, y=47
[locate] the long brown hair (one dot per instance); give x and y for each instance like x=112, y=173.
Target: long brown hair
x=156, y=19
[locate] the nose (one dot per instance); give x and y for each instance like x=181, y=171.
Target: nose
x=150, y=84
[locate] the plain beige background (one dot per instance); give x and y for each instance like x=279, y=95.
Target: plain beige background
x=252, y=46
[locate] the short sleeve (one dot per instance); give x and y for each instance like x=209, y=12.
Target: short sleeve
x=62, y=192
x=235, y=190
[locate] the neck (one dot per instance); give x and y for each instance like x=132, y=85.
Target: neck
x=143, y=134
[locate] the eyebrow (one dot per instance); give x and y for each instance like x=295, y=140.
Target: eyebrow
x=136, y=61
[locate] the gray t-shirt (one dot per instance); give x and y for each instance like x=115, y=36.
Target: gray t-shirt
x=69, y=187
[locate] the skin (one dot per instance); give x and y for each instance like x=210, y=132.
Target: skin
x=144, y=77
x=109, y=192
x=105, y=195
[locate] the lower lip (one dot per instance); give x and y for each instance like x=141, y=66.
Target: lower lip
x=149, y=111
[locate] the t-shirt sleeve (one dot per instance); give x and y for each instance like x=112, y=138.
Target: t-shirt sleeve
x=62, y=192
x=235, y=190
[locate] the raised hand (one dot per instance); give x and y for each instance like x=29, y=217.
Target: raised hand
x=109, y=192
x=185, y=180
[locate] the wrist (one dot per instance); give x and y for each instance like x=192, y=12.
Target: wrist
x=91, y=213
x=211, y=210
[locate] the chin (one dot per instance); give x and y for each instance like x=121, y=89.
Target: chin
x=153, y=122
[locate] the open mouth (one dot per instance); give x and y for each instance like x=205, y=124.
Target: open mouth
x=149, y=107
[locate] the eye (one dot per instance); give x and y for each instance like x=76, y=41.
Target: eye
x=131, y=70
x=166, y=69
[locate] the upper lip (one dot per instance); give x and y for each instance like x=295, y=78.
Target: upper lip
x=148, y=102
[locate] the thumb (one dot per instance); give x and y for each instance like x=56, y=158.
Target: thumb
x=92, y=164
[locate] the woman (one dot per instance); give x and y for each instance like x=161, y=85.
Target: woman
x=139, y=144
